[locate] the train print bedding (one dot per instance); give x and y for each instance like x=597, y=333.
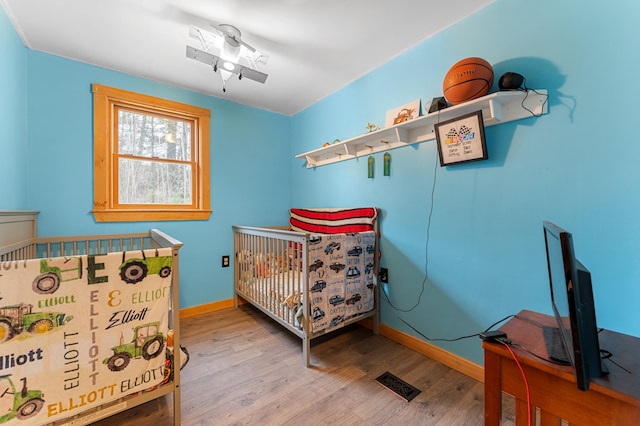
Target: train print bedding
x=315, y=276
x=85, y=324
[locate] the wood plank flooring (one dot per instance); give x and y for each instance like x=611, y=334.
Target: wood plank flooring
x=244, y=369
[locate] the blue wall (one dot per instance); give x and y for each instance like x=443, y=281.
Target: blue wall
x=245, y=142
x=13, y=118
x=474, y=231
x=577, y=166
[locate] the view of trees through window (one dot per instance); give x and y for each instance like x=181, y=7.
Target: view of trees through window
x=151, y=158
x=155, y=159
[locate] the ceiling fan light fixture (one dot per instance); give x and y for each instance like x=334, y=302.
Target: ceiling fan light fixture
x=230, y=50
x=224, y=51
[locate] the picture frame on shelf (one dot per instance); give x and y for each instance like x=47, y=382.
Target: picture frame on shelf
x=461, y=139
x=402, y=113
x=436, y=104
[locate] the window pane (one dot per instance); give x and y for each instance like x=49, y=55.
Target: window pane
x=153, y=182
x=153, y=137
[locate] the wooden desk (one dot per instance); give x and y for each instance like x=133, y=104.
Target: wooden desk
x=610, y=400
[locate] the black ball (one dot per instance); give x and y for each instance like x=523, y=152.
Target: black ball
x=510, y=81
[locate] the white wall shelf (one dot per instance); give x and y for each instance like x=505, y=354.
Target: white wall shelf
x=497, y=108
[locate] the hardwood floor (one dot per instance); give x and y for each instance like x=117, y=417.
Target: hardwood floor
x=244, y=369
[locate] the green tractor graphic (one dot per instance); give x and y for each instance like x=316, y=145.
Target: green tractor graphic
x=132, y=271
x=54, y=271
x=148, y=343
x=15, y=319
x=18, y=404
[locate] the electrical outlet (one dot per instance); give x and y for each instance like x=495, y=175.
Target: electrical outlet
x=225, y=261
x=384, y=275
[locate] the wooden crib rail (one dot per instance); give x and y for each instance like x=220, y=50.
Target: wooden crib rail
x=91, y=244
x=19, y=251
x=160, y=239
x=270, y=261
x=280, y=232
x=17, y=234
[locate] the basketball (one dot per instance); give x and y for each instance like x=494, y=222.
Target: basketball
x=467, y=79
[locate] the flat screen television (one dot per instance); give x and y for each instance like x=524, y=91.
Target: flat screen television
x=574, y=341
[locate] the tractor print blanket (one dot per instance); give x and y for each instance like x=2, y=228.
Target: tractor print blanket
x=77, y=332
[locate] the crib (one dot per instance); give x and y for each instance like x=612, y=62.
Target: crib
x=88, y=324
x=314, y=276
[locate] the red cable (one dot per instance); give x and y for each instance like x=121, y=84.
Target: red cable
x=526, y=383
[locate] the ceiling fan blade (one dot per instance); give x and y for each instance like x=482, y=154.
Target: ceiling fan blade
x=252, y=74
x=251, y=48
x=206, y=38
x=202, y=56
x=212, y=60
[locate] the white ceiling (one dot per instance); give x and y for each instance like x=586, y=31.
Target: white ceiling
x=315, y=47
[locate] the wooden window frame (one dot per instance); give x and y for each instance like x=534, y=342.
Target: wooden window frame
x=105, y=206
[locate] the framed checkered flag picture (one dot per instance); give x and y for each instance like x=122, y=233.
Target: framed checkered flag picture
x=461, y=139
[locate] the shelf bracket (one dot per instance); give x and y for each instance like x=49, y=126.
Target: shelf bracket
x=495, y=110
x=310, y=161
x=403, y=135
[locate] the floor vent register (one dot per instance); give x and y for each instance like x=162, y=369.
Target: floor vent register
x=398, y=386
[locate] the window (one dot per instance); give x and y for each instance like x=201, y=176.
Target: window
x=151, y=158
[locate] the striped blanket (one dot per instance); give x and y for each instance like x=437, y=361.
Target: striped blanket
x=333, y=221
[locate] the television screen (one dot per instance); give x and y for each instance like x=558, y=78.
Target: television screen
x=574, y=340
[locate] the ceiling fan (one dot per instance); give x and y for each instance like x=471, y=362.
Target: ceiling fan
x=224, y=50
